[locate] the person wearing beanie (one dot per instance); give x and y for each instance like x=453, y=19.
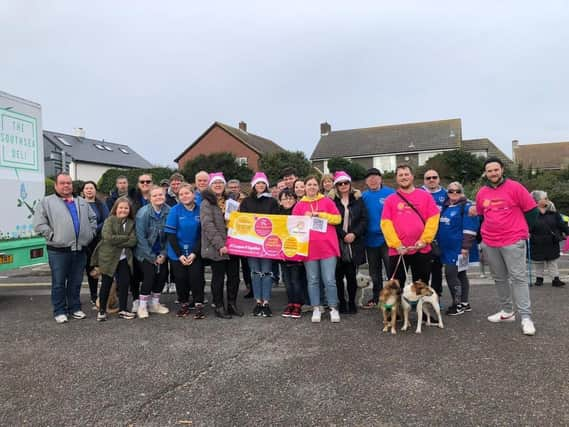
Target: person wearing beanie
x=260, y=201
x=214, y=235
x=351, y=236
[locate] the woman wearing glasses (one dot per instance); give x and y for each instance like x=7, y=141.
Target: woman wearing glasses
x=457, y=240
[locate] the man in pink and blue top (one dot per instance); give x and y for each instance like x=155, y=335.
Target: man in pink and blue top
x=409, y=222
x=507, y=208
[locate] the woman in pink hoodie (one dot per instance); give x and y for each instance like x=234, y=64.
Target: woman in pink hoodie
x=323, y=249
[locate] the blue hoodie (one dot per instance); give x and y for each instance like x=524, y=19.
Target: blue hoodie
x=374, y=201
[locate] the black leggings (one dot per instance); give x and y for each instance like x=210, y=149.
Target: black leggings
x=123, y=282
x=154, y=277
x=188, y=278
x=347, y=269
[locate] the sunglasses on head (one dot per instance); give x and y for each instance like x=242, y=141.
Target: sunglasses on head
x=145, y=181
x=431, y=177
x=454, y=191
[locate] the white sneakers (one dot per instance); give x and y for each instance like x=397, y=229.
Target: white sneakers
x=527, y=326
x=502, y=316
x=316, y=315
x=78, y=315
x=61, y=318
x=158, y=309
x=135, y=305
x=142, y=312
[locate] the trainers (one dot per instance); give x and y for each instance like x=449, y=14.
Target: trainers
x=258, y=310
x=101, y=317
x=482, y=276
x=296, y=311
x=158, y=308
x=61, y=318
x=334, y=315
x=455, y=310
x=557, y=283
x=370, y=304
x=538, y=281
x=502, y=316
x=527, y=326
x=78, y=315
x=142, y=312
x=135, y=305
x=288, y=311
x=127, y=315
x=465, y=306
x=184, y=310
x=316, y=315
x=266, y=311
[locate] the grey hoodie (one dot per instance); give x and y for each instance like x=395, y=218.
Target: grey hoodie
x=53, y=221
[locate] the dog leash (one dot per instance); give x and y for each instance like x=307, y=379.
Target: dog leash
x=400, y=260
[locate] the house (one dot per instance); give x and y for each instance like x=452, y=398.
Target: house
x=545, y=156
x=247, y=147
x=84, y=158
x=384, y=147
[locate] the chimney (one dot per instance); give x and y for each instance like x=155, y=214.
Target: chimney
x=325, y=128
x=243, y=126
x=79, y=132
x=515, y=145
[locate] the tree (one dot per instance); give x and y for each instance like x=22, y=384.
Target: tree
x=355, y=170
x=456, y=165
x=217, y=162
x=273, y=164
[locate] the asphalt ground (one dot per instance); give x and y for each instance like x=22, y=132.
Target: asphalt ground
x=252, y=371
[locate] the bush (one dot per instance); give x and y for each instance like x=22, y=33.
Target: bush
x=355, y=170
x=49, y=186
x=273, y=164
x=217, y=162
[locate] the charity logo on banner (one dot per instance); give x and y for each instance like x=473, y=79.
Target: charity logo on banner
x=268, y=236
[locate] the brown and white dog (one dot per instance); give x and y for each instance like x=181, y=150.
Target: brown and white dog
x=417, y=294
x=389, y=298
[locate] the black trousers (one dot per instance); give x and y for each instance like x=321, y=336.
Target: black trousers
x=135, y=280
x=93, y=282
x=154, y=277
x=123, y=282
x=420, y=267
x=349, y=271
x=246, y=270
x=188, y=278
x=436, y=276
x=219, y=270
x=377, y=257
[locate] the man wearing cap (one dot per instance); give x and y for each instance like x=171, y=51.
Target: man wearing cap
x=409, y=221
x=376, y=249
x=508, y=210
x=432, y=184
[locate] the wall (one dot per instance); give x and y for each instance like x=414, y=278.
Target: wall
x=219, y=141
x=87, y=171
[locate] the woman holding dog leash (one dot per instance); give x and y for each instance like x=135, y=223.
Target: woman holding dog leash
x=457, y=241
x=351, y=235
x=323, y=251
x=113, y=257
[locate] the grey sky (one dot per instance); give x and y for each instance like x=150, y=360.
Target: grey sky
x=155, y=74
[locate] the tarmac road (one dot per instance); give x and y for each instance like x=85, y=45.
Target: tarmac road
x=170, y=371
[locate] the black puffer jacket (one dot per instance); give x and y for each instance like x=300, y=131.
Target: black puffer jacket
x=262, y=205
x=357, y=225
x=545, y=236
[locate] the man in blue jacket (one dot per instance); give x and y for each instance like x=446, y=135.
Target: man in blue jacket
x=376, y=249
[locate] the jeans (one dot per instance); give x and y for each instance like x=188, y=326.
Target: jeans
x=294, y=276
x=262, y=277
x=324, y=269
x=66, y=276
x=376, y=257
x=508, y=268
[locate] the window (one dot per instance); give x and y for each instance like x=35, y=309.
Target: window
x=423, y=157
x=124, y=150
x=385, y=163
x=107, y=148
x=241, y=161
x=63, y=141
x=100, y=147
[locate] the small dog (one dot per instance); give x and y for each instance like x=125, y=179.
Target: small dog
x=113, y=302
x=363, y=283
x=389, y=304
x=416, y=294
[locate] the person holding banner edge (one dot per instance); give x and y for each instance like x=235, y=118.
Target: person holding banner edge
x=260, y=201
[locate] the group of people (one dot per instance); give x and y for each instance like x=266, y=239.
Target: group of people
x=141, y=237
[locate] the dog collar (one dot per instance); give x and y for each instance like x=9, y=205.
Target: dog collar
x=412, y=303
x=387, y=307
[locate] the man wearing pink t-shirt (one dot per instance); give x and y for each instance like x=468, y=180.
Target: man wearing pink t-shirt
x=507, y=208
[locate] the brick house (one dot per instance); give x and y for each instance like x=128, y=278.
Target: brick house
x=384, y=147
x=545, y=156
x=248, y=148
